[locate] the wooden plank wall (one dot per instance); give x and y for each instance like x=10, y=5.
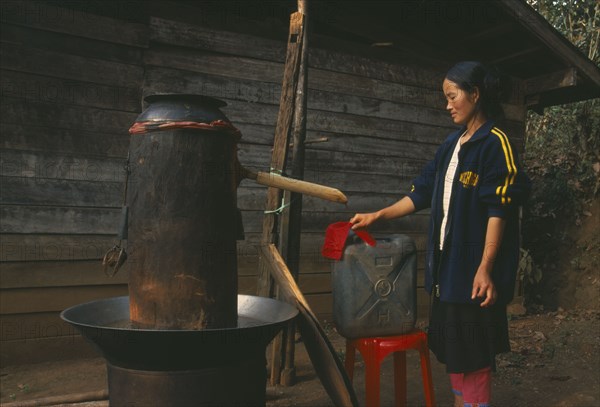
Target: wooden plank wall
x=71, y=87
x=381, y=121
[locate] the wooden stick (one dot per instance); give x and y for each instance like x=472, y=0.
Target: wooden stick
x=61, y=399
x=328, y=366
x=313, y=141
x=288, y=288
x=296, y=185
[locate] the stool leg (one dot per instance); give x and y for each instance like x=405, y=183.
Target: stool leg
x=400, y=378
x=349, y=360
x=426, y=372
x=372, y=379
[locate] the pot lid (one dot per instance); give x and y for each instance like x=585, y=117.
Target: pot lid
x=175, y=107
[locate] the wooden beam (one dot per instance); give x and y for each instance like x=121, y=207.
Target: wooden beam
x=545, y=83
x=551, y=38
x=515, y=55
x=370, y=28
x=493, y=31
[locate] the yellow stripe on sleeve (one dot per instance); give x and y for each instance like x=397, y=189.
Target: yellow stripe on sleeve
x=512, y=157
x=512, y=170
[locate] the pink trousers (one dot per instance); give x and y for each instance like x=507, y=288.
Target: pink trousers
x=474, y=387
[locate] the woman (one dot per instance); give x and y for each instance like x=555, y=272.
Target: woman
x=474, y=186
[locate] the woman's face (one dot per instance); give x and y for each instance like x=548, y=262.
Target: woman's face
x=461, y=104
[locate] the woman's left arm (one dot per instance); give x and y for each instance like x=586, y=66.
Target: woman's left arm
x=483, y=285
x=504, y=186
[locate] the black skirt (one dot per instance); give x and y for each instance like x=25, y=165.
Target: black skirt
x=467, y=337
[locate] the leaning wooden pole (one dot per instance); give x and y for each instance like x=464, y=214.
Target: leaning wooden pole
x=278, y=161
x=323, y=356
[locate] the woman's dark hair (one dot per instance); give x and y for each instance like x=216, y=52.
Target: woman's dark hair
x=469, y=75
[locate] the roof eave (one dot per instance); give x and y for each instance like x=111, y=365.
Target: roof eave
x=588, y=73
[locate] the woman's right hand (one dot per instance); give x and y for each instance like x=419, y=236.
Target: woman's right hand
x=362, y=220
x=403, y=207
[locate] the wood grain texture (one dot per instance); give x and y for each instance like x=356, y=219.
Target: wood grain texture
x=18, y=111
x=56, y=219
x=60, y=65
x=266, y=71
x=28, y=300
x=57, y=274
x=65, y=193
x=48, y=165
x=289, y=87
x=160, y=79
x=84, y=221
x=45, y=138
x=182, y=231
x=26, y=248
x=82, y=23
x=40, y=88
x=71, y=45
x=204, y=38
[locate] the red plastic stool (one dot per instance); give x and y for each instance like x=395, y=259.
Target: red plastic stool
x=375, y=349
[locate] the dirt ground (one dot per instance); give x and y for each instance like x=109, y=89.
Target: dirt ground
x=566, y=251
x=555, y=361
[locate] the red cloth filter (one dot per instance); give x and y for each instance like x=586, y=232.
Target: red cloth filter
x=335, y=239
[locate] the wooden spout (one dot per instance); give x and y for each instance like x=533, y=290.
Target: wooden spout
x=295, y=185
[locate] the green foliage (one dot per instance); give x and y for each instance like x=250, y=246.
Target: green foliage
x=562, y=156
x=563, y=145
x=578, y=20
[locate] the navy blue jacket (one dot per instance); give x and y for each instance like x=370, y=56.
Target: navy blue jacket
x=489, y=182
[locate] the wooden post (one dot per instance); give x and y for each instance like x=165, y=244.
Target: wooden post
x=280, y=144
x=278, y=161
x=294, y=216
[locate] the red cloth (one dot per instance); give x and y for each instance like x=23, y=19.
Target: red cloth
x=335, y=239
x=475, y=387
x=216, y=125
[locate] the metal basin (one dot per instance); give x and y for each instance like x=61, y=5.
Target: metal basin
x=151, y=367
x=106, y=324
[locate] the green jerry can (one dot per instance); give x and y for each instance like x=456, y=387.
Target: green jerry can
x=374, y=288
